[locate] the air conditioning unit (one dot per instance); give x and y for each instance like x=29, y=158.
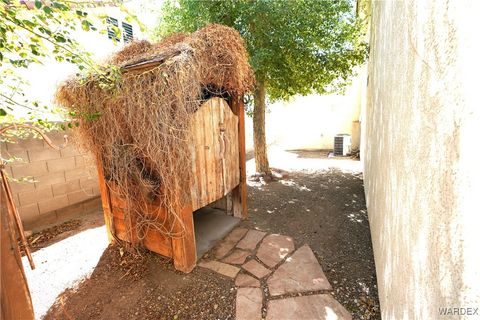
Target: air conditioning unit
x=342, y=145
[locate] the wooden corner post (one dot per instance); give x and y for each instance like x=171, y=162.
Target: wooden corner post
x=239, y=193
x=184, y=251
x=106, y=205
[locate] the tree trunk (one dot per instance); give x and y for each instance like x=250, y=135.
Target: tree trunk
x=259, y=139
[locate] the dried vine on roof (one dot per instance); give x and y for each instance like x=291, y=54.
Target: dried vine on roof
x=142, y=135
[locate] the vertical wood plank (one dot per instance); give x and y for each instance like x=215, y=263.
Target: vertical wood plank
x=212, y=133
x=194, y=180
x=16, y=302
x=215, y=166
x=200, y=161
x=239, y=194
x=232, y=174
x=222, y=150
x=203, y=192
x=106, y=204
x=184, y=251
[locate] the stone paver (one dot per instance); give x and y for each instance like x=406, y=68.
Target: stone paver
x=299, y=273
x=244, y=280
x=274, y=248
x=237, y=257
x=220, y=267
x=256, y=269
x=249, y=304
x=251, y=239
x=319, y=306
x=229, y=242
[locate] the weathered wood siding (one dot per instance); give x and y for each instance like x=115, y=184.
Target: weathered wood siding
x=214, y=150
x=153, y=239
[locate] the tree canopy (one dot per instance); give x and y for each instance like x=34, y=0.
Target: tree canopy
x=295, y=47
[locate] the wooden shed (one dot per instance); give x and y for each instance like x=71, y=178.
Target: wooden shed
x=170, y=138
x=218, y=170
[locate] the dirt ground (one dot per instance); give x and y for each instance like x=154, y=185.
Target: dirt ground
x=324, y=208
x=53, y=234
x=146, y=287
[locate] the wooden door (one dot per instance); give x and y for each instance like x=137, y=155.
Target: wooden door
x=214, y=150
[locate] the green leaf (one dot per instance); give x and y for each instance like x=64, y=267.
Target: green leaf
x=60, y=6
x=47, y=10
x=3, y=113
x=38, y=4
x=59, y=38
x=28, y=23
x=85, y=25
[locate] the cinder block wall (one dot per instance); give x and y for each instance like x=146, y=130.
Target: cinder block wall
x=66, y=182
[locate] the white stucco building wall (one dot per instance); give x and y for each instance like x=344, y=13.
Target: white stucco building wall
x=311, y=122
x=422, y=173
x=44, y=78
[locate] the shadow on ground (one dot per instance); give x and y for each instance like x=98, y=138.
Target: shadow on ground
x=323, y=206
x=321, y=203
x=125, y=286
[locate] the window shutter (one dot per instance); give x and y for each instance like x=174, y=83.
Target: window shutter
x=111, y=31
x=127, y=32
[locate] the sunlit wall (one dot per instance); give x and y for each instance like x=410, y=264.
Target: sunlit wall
x=311, y=122
x=44, y=78
x=422, y=173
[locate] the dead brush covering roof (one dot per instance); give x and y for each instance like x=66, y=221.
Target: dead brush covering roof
x=142, y=136
x=220, y=51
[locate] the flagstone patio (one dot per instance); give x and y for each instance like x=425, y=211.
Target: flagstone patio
x=274, y=280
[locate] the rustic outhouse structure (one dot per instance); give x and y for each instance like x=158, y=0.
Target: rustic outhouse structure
x=166, y=124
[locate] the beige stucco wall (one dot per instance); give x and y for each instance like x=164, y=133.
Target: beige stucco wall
x=311, y=122
x=422, y=173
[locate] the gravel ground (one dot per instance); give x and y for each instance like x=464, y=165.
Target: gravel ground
x=146, y=287
x=320, y=203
